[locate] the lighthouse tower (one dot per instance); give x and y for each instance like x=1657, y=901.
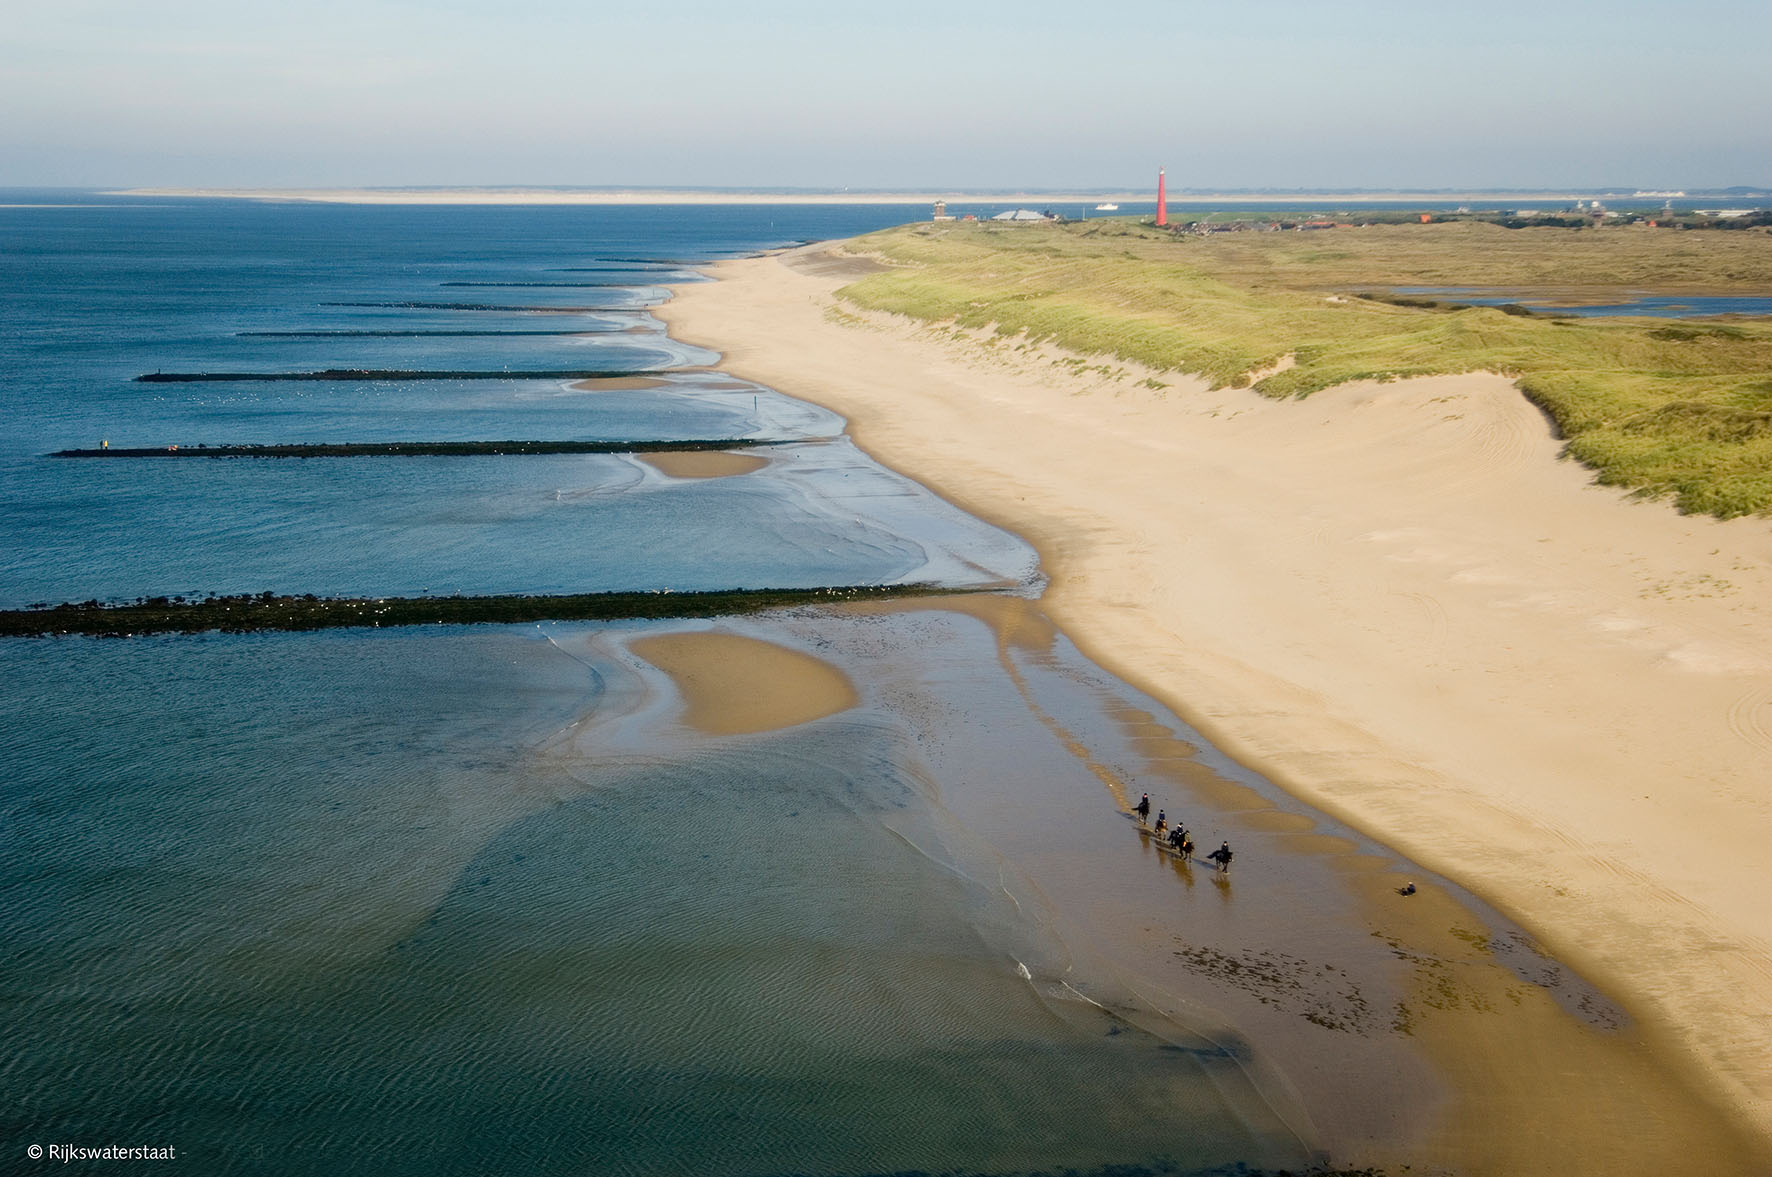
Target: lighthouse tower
x=1162, y=201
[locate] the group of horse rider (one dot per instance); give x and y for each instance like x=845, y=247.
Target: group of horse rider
x=1177, y=836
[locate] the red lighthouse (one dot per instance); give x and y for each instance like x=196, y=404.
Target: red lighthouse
x=1162, y=204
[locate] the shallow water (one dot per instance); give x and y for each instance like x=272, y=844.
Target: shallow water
x=100, y=294
x=528, y=927
x=687, y=405
x=814, y=515
x=1645, y=305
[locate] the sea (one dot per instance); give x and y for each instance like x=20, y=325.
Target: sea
x=476, y=899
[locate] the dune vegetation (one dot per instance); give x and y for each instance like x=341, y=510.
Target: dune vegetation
x=1678, y=409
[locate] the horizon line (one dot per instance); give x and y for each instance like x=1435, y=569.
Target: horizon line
x=689, y=194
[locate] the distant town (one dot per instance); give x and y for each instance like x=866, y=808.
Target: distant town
x=1580, y=214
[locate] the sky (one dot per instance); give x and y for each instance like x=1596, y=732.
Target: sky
x=908, y=95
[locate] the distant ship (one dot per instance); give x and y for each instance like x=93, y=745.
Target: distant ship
x=1107, y=208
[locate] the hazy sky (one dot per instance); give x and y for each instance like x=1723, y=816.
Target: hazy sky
x=1368, y=93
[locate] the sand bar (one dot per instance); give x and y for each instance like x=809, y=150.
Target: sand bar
x=703, y=464
x=1394, y=600
x=732, y=684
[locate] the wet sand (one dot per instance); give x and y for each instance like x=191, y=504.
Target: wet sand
x=733, y=685
x=1394, y=601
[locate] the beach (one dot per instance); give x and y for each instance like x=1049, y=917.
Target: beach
x=1394, y=601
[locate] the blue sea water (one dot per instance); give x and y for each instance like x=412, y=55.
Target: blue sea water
x=99, y=294
x=473, y=900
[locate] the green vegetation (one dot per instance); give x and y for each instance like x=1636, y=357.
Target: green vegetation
x=1605, y=261
x=249, y=612
x=1681, y=410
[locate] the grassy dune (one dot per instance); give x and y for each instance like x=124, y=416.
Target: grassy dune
x=1674, y=409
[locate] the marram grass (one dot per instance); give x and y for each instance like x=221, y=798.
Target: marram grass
x=1666, y=409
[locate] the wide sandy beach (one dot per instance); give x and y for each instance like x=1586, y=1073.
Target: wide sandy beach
x=1395, y=601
